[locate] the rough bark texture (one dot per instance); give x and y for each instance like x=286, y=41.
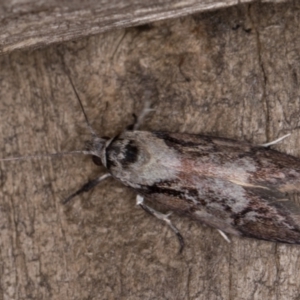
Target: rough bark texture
x=32, y=23
x=232, y=72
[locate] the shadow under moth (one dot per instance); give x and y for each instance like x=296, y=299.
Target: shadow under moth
x=233, y=186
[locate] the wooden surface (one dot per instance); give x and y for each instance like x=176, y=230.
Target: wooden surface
x=232, y=72
x=38, y=23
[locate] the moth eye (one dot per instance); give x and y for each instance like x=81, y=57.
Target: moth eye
x=96, y=160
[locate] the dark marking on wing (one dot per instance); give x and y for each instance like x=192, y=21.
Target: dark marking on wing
x=270, y=215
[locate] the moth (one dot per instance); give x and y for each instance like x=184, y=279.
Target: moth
x=233, y=186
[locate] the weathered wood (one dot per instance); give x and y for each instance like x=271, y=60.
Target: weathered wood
x=34, y=24
x=233, y=72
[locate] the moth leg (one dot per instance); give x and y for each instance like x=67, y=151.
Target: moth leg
x=275, y=141
x=87, y=187
x=140, y=118
x=160, y=216
x=224, y=236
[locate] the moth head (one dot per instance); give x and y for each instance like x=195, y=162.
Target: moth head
x=97, y=148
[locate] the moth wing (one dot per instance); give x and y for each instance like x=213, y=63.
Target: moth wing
x=236, y=187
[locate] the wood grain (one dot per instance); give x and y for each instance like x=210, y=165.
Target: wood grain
x=232, y=72
x=33, y=24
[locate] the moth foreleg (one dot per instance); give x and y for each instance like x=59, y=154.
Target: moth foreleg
x=87, y=187
x=161, y=216
x=275, y=141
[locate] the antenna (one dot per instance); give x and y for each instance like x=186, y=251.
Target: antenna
x=28, y=157
x=86, y=152
x=81, y=105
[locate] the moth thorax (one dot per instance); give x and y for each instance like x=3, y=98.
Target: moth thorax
x=121, y=153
